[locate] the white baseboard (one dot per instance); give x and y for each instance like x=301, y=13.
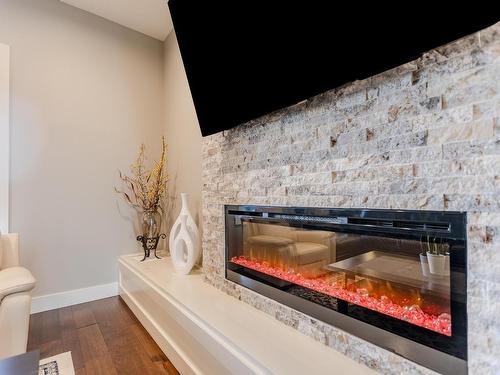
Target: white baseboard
x=73, y=297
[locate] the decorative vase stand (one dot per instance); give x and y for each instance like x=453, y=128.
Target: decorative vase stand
x=150, y=243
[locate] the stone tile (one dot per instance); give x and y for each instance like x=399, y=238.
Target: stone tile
x=425, y=135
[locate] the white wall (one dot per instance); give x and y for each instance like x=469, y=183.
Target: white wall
x=182, y=131
x=4, y=137
x=85, y=92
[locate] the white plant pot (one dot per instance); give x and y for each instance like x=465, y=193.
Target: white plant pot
x=194, y=236
x=437, y=264
x=424, y=264
x=447, y=265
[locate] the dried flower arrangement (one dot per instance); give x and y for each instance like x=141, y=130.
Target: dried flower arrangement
x=146, y=187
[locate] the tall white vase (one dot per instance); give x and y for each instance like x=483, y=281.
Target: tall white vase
x=182, y=253
x=181, y=264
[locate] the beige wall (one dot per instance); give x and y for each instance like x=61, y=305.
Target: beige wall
x=182, y=131
x=4, y=136
x=84, y=93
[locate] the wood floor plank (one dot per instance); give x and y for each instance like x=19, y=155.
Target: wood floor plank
x=50, y=348
x=100, y=366
x=95, y=353
x=125, y=313
x=83, y=315
x=107, y=316
x=92, y=343
x=51, y=329
x=66, y=318
x=69, y=336
x=128, y=356
x=150, y=352
x=104, y=337
x=71, y=342
x=35, y=332
x=168, y=367
x=148, y=344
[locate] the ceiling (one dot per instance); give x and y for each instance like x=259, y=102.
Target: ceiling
x=150, y=17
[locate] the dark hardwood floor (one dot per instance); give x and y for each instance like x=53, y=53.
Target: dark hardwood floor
x=104, y=337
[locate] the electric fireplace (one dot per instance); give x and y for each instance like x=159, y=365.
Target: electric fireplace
x=396, y=278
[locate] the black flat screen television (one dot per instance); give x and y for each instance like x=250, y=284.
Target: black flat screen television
x=247, y=59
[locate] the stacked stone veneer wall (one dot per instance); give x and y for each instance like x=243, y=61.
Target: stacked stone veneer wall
x=425, y=136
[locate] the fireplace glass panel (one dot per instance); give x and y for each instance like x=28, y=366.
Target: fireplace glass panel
x=406, y=279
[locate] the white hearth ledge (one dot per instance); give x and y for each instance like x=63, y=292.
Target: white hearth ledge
x=205, y=331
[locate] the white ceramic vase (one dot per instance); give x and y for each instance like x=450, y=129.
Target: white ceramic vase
x=184, y=240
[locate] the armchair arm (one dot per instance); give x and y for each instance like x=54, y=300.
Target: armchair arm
x=9, y=246
x=15, y=280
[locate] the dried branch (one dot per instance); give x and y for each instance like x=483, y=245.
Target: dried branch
x=146, y=188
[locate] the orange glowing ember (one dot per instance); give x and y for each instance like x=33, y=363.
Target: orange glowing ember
x=381, y=298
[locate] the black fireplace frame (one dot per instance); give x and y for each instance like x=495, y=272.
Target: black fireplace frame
x=447, y=355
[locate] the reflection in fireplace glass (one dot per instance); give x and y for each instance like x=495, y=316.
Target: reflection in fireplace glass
x=402, y=278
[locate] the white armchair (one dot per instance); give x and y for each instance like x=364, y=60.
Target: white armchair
x=16, y=284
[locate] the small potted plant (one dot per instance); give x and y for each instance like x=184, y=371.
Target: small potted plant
x=438, y=257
